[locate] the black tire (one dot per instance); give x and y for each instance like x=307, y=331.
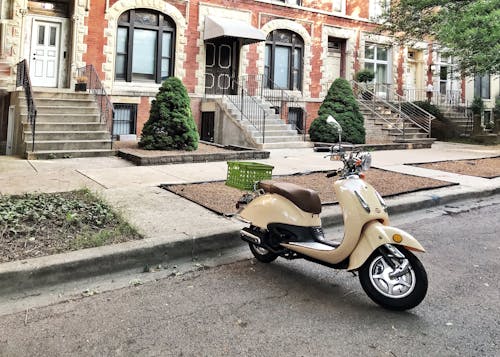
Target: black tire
x=410, y=289
x=262, y=254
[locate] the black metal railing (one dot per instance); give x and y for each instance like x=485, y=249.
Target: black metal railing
x=405, y=113
x=23, y=80
x=247, y=105
x=263, y=88
x=94, y=86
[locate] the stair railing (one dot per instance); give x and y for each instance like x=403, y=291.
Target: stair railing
x=94, y=86
x=23, y=80
x=264, y=88
x=416, y=115
x=248, y=107
x=365, y=93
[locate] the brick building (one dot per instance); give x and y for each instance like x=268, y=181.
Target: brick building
x=296, y=47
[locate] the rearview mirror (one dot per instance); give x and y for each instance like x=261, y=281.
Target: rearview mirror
x=331, y=120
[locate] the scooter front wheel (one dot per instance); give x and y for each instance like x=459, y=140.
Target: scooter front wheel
x=400, y=284
x=262, y=254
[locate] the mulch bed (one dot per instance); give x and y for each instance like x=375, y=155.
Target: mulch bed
x=487, y=168
x=219, y=198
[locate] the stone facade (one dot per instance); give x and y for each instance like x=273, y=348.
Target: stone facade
x=92, y=37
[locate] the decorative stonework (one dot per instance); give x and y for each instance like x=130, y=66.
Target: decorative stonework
x=205, y=10
x=299, y=29
x=112, y=16
x=81, y=30
x=350, y=36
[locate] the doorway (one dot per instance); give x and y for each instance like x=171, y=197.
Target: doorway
x=335, y=61
x=221, y=67
x=44, y=54
x=207, y=126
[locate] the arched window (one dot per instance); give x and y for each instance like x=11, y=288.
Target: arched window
x=144, y=46
x=283, y=60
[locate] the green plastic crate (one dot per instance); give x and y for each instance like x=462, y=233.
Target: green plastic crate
x=243, y=175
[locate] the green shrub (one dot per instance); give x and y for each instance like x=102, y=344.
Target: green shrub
x=442, y=128
x=342, y=105
x=170, y=125
x=365, y=75
x=477, y=106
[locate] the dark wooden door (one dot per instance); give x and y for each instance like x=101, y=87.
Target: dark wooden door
x=207, y=126
x=221, y=64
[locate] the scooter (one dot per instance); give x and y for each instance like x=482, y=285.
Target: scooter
x=285, y=222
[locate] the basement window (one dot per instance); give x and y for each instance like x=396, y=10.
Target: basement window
x=124, y=122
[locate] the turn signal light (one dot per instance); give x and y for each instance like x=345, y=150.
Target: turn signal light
x=397, y=238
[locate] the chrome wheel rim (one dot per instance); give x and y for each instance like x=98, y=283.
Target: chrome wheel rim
x=392, y=287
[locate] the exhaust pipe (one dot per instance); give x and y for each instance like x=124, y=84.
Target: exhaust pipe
x=249, y=237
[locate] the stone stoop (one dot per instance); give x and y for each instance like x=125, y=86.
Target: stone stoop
x=67, y=126
x=277, y=134
x=388, y=130
x=460, y=119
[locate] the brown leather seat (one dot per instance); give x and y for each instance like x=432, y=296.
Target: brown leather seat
x=306, y=199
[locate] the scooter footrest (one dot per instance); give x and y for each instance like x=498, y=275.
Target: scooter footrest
x=313, y=245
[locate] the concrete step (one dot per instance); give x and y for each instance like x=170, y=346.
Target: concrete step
x=71, y=145
x=287, y=145
x=63, y=118
x=270, y=127
x=410, y=136
x=64, y=154
x=66, y=135
x=63, y=102
x=274, y=132
x=44, y=110
x=60, y=94
x=278, y=139
x=424, y=140
x=66, y=126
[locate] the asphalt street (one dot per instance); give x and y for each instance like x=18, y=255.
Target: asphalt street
x=288, y=308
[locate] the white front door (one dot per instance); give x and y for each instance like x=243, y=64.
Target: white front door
x=44, y=60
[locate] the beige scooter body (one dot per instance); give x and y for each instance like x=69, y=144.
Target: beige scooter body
x=366, y=223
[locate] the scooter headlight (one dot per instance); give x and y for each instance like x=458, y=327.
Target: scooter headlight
x=366, y=162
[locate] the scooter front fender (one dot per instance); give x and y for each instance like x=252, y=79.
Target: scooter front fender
x=373, y=236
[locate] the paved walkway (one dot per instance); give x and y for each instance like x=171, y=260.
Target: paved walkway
x=159, y=214
x=177, y=227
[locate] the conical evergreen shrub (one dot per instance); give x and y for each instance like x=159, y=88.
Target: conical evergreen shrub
x=342, y=105
x=171, y=124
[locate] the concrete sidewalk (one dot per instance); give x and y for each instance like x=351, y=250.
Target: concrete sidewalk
x=174, y=227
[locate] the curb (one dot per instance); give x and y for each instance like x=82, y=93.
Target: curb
x=45, y=271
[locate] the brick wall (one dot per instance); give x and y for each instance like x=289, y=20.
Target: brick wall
x=142, y=113
x=95, y=39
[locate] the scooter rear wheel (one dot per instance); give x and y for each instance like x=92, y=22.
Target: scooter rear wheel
x=402, y=291
x=262, y=254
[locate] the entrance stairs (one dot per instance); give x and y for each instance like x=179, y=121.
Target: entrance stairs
x=266, y=128
x=458, y=116
x=67, y=126
x=383, y=124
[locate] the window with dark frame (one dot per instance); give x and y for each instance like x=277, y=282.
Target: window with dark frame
x=334, y=45
x=283, y=60
x=482, y=86
x=144, y=46
x=125, y=119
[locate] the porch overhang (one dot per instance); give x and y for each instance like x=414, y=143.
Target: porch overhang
x=219, y=27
